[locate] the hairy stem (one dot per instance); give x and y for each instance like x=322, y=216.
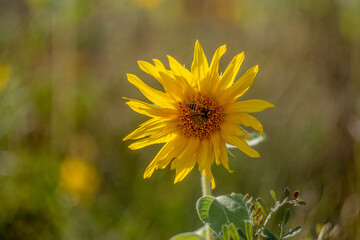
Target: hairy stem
x=206, y=191
x=205, y=186
x=275, y=208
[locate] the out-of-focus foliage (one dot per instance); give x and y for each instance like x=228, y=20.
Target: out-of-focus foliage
x=67, y=62
x=4, y=76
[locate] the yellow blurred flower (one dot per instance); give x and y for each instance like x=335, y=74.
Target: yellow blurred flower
x=4, y=76
x=196, y=115
x=147, y=4
x=79, y=178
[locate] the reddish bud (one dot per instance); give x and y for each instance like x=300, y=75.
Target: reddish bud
x=296, y=194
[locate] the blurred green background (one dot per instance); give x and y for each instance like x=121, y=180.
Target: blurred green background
x=65, y=172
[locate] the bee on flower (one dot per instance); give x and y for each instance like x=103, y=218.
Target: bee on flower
x=196, y=114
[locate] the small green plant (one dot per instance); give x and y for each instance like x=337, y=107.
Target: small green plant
x=241, y=217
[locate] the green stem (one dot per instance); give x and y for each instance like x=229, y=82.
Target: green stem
x=205, y=185
x=206, y=191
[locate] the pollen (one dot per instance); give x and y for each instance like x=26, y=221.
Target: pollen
x=200, y=117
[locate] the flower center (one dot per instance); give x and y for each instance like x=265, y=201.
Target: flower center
x=200, y=117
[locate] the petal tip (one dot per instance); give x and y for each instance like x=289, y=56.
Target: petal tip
x=148, y=173
x=198, y=45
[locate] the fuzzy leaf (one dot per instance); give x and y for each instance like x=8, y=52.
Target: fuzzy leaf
x=269, y=234
x=273, y=195
x=186, y=236
x=249, y=230
x=286, y=192
x=286, y=216
x=198, y=234
x=225, y=232
x=293, y=232
x=300, y=203
x=234, y=233
x=224, y=209
x=241, y=234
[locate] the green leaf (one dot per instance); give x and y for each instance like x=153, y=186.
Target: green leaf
x=198, y=234
x=224, y=209
x=186, y=236
x=286, y=216
x=269, y=234
x=293, y=232
x=249, y=230
x=241, y=234
x=256, y=138
x=300, y=203
x=286, y=192
x=272, y=193
x=262, y=204
x=225, y=232
x=284, y=221
x=234, y=233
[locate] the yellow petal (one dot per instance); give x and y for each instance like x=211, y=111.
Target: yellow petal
x=156, y=139
x=177, y=148
x=216, y=143
x=151, y=110
x=146, y=128
x=170, y=83
x=208, y=174
x=227, y=79
x=249, y=106
x=151, y=70
x=170, y=150
x=156, y=96
x=152, y=166
x=240, y=143
x=246, y=120
x=199, y=66
x=205, y=156
x=186, y=161
x=232, y=129
x=160, y=128
x=169, y=75
x=239, y=88
x=224, y=157
x=213, y=79
x=184, y=76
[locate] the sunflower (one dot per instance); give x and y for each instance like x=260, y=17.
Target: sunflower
x=196, y=114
